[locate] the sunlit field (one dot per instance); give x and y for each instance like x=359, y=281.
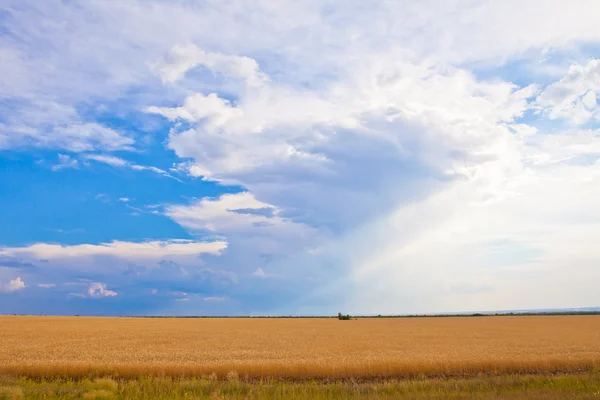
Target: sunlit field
x=297, y=349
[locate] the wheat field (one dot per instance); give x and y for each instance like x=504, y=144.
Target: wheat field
x=297, y=349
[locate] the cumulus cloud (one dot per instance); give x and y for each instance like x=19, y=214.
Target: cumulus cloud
x=98, y=290
x=337, y=158
x=240, y=211
x=348, y=141
x=214, y=110
x=12, y=286
x=574, y=96
x=442, y=134
x=182, y=58
x=191, y=169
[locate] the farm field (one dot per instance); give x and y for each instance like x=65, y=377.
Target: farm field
x=297, y=349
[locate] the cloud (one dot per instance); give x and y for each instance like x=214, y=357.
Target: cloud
x=252, y=228
x=169, y=266
x=65, y=161
x=110, y=160
x=82, y=74
x=337, y=167
x=574, y=96
x=183, y=58
x=190, y=169
x=12, y=286
x=124, y=199
x=50, y=124
x=121, y=163
x=46, y=285
x=132, y=251
x=98, y=290
x=11, y=262
x=223, y=214
x=322, y=148
x=90, y=136
x=214, y=110
x=73, y=137
x=260, y=273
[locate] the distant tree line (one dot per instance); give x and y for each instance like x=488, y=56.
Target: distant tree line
x=343, y=317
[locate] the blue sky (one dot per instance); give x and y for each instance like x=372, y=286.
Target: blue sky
x=293, y=158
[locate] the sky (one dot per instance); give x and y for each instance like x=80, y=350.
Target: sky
x=298, y=157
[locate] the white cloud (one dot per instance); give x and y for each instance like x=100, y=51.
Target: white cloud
x=74, y=137
x=150, y=168
x=117, y=254
x=214, y=110
x=124, y=199
x=230, y=212
x=98, y=290
x=574, y=96
x=46, y=285
x=254, y=230
x=260, y=273
x=12, y=286
x=110, y=160
x=50, y=124
x=65, y=161
x=320, y=148
x=125, y=41
x=121, y=163
x=183, y=58
x=191, y=169
x=90, y=136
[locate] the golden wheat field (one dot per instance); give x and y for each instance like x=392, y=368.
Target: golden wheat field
x=308, y=348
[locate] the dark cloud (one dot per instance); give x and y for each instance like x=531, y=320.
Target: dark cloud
x=11, y=262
